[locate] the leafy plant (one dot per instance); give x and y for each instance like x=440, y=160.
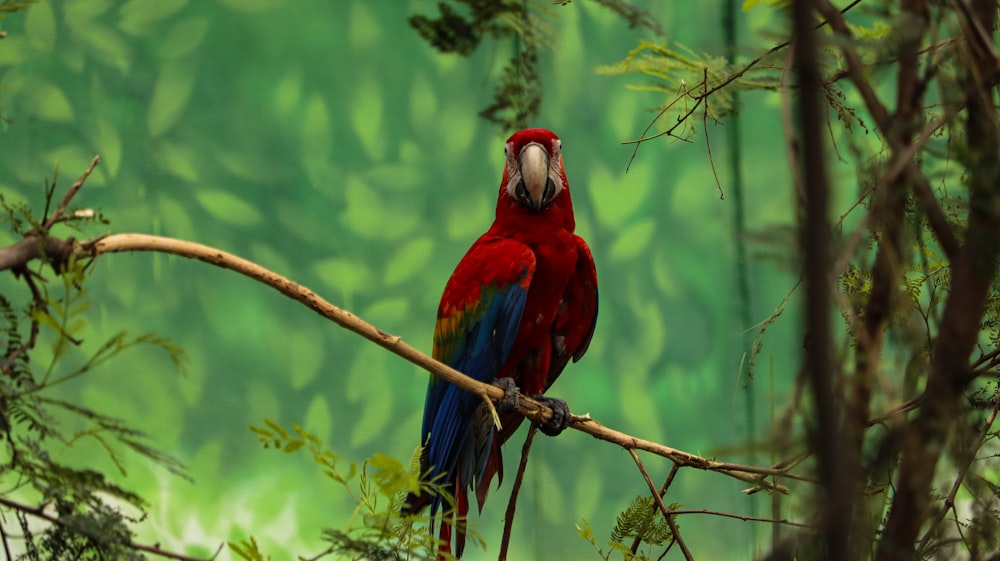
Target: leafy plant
x=81, y=508
x=641, y=522
x=376, y=529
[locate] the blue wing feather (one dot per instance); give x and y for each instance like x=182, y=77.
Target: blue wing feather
x=476, y=340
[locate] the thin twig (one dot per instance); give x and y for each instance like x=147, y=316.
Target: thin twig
x=669, y=132
x=896, y=411
x=320, y=555
x=674, y=530
x=706, y=93
x=663, y=490
x=708, y=141
x=508, y=519
x=64, y=204
x=743, y=517
x=921, y=189
x=6, y=546
x=949, y=501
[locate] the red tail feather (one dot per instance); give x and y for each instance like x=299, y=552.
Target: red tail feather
x=462, y=505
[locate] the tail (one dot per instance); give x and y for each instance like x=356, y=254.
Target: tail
x=456, y=519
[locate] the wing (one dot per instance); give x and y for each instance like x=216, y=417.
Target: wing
x=572, y=329
x=576, y=317
x=477, y=323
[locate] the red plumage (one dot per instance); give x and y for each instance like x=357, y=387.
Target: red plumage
x=520, y=304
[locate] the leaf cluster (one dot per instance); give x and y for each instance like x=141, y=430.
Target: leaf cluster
x=87, y=503
x=377, y=529
x=517, y=96
x=641, y=522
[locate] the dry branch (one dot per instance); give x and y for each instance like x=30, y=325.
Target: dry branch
x=530, y=408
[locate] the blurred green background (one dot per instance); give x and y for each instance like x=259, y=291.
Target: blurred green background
x=328, y=142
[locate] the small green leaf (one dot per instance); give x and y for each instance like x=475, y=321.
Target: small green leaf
x=397, y=177
x=365, y=30
x=104, y=44
x=13, y=50
x=109, y=145
x=616, y=197
x=316, y=138
x=634, y=241
x=366, y=116
x=318, y=417
x=184, y=38
x=139, y=17
x=263, y=432
x=293, y=446
x=177, y=160
x=228, y=207
x=277, y=428
x=48, y=102
x=364, y=211
x=423, y=103
x=387, y=312
x=306, y=357
x=469, y=218
x=350, y=277
x=170, y=96
x=40, y=27
x=288, y=93
x=408, y=260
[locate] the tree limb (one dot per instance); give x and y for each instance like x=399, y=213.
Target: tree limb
x=529, y=407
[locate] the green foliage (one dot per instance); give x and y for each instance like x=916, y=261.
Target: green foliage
x=451, y=32
x=89, y=522
x=248, y=549
x=641, y=522
x=682, y=74
x=517, y=97
x=633, y=16
x=376, y=530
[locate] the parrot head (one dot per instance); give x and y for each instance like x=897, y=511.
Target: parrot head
x=533, y=174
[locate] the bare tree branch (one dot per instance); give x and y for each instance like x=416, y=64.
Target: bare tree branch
x=658, y=500
x=508, y=519
x=527, y=406
x=835, y=467
x=973, y=270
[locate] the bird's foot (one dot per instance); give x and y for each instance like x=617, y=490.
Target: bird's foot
x=560, y=415
x=509, y=402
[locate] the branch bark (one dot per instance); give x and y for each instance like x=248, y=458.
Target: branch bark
x=974, y=269
x=835, y=467
x=529, y=407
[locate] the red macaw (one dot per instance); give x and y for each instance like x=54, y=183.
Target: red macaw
x=520, y=304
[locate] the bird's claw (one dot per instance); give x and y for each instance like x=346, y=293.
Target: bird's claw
x=560, y=415
x=509, y=402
